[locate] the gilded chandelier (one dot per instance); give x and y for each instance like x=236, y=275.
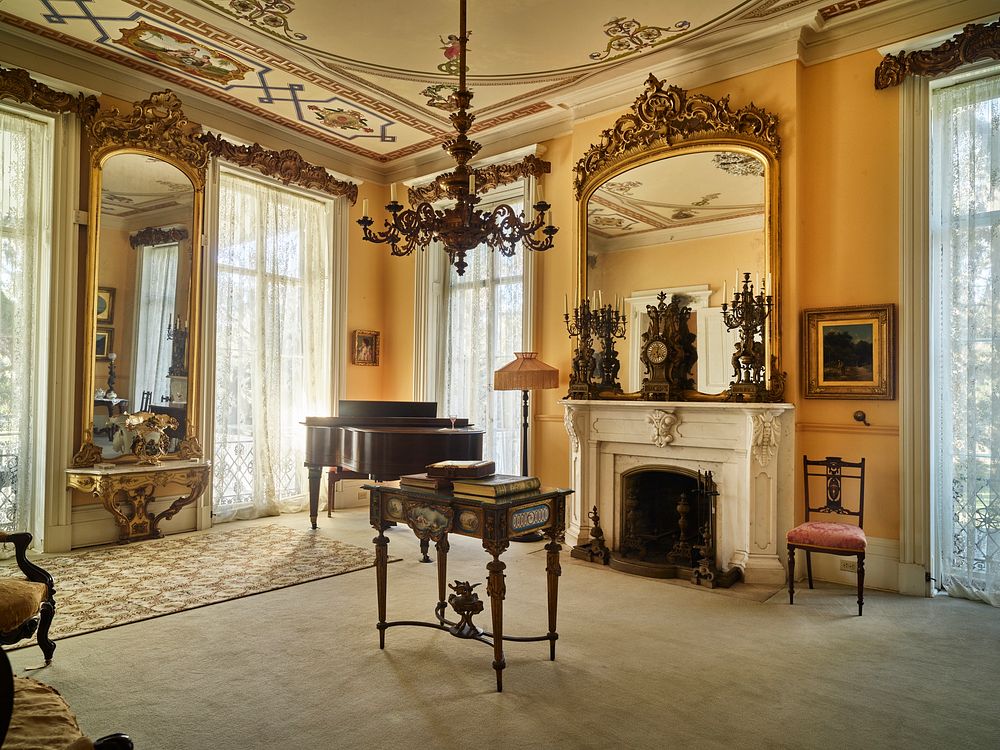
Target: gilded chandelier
x=463, y=226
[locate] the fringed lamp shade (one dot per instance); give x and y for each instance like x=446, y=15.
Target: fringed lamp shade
x=526, y=373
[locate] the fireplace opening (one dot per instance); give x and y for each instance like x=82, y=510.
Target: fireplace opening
x=668, y=530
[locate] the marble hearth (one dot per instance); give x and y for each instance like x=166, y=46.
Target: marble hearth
x=748, y=448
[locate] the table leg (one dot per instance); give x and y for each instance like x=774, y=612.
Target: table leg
x=442, y=548
x=553, y=570
x=315, y=477
x=497, y=589
x=381, y=565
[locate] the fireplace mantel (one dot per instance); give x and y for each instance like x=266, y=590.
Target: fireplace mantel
x=748, y=448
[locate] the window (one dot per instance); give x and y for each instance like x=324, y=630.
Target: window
x=469, y=326
x=25, y=238
x=157, y=291
x=272, y=352
x=965, y=336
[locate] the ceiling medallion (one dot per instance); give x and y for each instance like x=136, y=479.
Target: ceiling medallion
x=462, y=227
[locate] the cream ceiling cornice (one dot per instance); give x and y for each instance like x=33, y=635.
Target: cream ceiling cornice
x=515, y=108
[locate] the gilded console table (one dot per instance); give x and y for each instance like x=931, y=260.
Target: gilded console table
x=126, y=491
x=433, y=516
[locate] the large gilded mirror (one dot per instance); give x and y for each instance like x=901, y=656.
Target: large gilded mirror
x=143, y=285
x=680, y=197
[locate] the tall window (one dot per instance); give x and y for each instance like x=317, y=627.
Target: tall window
x=482, y=328
x=157, y=292
x=965, y=336
x=273, y=361
x=25, y=236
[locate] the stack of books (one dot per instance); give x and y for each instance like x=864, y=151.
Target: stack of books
x=472, y=480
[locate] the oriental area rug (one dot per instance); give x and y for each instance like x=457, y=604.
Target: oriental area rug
x=107, y=587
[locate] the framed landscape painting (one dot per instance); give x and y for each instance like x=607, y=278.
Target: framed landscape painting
x=850, y=352
x=102, y=345
x=105, y=307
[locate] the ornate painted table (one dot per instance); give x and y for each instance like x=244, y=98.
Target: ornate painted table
x=433, y=516
x=134, y=486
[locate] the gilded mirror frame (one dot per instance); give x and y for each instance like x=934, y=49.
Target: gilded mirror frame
x=667, y=121
x=156, y=127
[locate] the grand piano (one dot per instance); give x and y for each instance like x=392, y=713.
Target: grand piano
x=383, y=440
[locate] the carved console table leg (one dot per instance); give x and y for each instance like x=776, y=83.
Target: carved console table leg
x=442, y=548
x=497, y=590
x=553, y=570
x=381, y=565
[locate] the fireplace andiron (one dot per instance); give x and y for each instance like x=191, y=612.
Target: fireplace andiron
x=596, y=550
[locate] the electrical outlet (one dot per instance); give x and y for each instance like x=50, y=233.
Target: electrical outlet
x=851, y=566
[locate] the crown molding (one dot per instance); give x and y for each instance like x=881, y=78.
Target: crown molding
x=611, y=245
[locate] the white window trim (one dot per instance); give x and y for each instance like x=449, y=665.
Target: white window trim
x=338, y=231
x=915, y=455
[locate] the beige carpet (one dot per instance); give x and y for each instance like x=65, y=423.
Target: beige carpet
x=107, y=587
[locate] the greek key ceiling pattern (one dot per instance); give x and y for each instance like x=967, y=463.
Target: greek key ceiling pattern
x=375, y=78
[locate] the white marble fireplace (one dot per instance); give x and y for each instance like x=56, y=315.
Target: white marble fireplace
x=747, y=447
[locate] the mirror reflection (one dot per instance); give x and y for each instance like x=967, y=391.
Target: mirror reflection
x=143, y=279
x=686, y=225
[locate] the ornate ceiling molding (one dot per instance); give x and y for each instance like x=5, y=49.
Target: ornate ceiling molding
x=18, y=85
x=974, y=43
x=287, y=166
x=156, y=124
x=487, y=178
x=664, y=117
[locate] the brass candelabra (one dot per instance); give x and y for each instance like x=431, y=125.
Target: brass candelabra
x=748, y=313
x=581, y=327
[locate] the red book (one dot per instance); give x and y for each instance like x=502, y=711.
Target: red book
x=461, y=469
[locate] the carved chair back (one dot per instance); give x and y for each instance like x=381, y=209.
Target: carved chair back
x=834, y=473
x=147, y=398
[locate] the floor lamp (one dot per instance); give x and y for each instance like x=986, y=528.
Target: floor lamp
x=526, y=373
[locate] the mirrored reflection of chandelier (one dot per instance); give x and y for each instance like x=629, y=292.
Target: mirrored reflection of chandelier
x=461, y=227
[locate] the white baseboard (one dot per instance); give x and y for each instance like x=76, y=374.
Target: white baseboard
x=881, y=566
x=349, y=494
x=93, y=525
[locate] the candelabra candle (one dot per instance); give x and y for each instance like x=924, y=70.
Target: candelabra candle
x=748, y=313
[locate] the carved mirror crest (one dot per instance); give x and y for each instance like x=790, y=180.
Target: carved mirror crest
x=141, y=308
x=679, y=196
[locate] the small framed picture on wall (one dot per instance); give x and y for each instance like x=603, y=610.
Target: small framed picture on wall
x=103, y=343
x=850, y=352
x=364, y=350
x=105, y=304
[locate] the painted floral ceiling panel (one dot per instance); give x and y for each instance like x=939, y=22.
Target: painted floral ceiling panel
x=374, y=78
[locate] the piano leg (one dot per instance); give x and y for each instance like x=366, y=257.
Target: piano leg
x=315, y=478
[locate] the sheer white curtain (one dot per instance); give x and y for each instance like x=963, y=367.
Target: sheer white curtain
x=25, y=166
x=273, y=359
x=965, y=325
x=157, y=290
x=483, y=327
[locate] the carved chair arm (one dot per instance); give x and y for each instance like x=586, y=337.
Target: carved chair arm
x=21, y=540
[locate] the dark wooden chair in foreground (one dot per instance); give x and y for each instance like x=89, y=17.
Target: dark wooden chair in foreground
x=35, y=715
x=833, y=538
x=26, y=605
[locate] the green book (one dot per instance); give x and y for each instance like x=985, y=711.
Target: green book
x=496, y=485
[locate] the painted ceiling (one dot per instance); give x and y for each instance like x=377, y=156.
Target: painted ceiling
x=680, y=197
x=134, y=184
x=373, y=78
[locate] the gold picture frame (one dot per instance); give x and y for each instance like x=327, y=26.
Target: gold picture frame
x=365, y=348
x=105, y=306
x=850, y=352
x=103, y=343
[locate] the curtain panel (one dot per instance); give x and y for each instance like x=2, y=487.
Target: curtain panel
x=965, y=336
x=273, y=328
x=157, y=290
x=25, y=214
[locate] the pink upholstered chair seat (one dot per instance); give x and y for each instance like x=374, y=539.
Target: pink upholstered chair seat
x=827, y=535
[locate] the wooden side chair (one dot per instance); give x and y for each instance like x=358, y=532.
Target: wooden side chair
x=834, y=538
x=26, y=605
